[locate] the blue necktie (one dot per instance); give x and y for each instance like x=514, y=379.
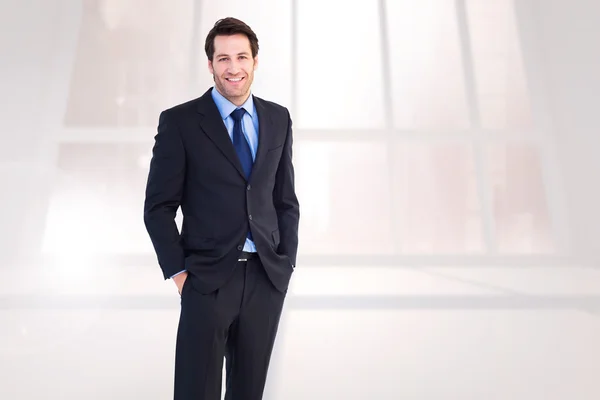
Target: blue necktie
x=241, y=146
x=240, y=143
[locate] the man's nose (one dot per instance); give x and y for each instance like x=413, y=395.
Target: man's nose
x=234, y=67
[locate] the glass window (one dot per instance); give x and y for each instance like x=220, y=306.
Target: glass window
x=500, y=79
x=428, y=84
x=520, y=209
x=436, y=197
x=372, y=196
x=132, y=60
x=344, y=190
x=97, y=200
x=340, y=79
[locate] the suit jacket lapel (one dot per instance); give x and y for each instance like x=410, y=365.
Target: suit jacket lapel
x=212, y=124
x=265, y=133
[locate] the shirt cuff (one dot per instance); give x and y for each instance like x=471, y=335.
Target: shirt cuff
x=178, y=273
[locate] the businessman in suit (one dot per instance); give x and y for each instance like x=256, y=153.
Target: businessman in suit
x=225, y=158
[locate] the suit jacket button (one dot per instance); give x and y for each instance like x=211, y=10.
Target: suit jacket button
x=248, y=187
x=240, y=247
x=250, y=217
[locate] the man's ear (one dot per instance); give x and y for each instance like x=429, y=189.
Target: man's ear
x=210, y=67
x=255, y=62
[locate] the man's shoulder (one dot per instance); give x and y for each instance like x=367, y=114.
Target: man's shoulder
x=271, y=106
x=190, y=106
x=182, y=108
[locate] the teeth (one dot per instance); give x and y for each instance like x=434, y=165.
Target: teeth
x=234, y=79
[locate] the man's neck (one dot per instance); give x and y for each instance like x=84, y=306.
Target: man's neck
x=237, y=101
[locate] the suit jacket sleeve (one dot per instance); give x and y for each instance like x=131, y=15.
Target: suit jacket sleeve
x=164, y=190
x=285, y=200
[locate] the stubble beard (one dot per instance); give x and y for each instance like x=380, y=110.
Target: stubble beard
x=232, y=94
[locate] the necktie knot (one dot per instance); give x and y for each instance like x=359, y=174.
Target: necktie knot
x=237, y=114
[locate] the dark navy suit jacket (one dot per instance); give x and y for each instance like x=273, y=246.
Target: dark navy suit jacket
x=194, y=166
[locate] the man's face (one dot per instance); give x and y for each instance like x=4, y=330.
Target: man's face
x=233, y=67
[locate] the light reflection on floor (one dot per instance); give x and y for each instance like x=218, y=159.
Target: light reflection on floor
x=427, y=333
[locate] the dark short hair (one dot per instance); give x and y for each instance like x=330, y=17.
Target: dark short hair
x=227, y=27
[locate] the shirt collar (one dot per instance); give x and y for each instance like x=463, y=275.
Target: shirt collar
x=226, y=107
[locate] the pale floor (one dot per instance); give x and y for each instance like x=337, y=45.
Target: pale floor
x=471, y=333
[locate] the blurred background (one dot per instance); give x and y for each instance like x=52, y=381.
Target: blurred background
x=446, y=166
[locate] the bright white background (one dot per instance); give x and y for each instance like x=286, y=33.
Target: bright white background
x=446, y=165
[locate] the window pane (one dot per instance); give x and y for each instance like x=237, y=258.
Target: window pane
x=339, y=65
x=273, y=78
x=426, y=66
x=503, y=96
x=132, y=61
x=521, y=214
x=436, y=194
x=344, y=193
x=97, y=201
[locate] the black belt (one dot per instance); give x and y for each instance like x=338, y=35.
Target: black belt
x=245, y=256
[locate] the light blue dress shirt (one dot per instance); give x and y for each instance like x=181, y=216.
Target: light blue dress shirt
x=249, y=127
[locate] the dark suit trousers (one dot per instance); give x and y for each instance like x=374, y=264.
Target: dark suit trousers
x=238, y=321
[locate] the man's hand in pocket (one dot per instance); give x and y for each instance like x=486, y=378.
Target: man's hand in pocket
x=180, y=280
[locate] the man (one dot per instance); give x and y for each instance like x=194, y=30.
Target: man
x=225, y=158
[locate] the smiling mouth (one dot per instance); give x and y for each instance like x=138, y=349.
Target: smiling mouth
x=234, y=80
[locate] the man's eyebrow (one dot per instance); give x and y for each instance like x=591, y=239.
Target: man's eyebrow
x=227, y=55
